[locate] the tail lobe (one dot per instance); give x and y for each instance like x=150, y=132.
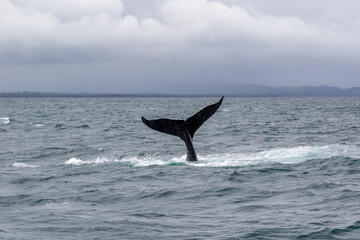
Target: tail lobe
x=168, y=126
x=194, y=122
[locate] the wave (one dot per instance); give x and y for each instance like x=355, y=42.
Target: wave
x=37, y=124
x=4, y=121
x=334, y=233
x=281, y=155
x=22, y=165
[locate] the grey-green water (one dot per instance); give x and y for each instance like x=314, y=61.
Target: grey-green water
x=269, y=168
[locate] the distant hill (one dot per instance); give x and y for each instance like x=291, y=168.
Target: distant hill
x=253, y=90
x=213, y=89
x=320, y=91
x=27, y=94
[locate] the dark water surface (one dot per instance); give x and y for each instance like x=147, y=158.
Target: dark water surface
x=269, y=168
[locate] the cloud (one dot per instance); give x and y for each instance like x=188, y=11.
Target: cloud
x=89, y=30
x=68, y=10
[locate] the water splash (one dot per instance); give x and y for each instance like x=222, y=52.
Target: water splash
x=281, y=155
x=79, y=162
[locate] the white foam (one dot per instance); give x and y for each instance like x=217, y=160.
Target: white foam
x=39, y=125
x=78, y=162
x=131, y=161
x=22, y=165
x=280, y=155
x=144, y=161
x=58, y=203
x=4, y=121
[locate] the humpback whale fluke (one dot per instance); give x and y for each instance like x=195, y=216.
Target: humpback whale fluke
x=184, y=129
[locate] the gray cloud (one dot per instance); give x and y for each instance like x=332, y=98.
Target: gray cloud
x=250, y=39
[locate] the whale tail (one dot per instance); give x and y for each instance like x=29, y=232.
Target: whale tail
x=184, y=129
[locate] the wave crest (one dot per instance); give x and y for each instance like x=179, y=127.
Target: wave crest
x=22, y=165
x=4, y=121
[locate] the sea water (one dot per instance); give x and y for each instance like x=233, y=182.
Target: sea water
x=269, y=168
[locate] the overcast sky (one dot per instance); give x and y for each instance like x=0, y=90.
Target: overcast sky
x=131, y=46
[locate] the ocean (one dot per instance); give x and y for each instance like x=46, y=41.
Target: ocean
x=269, y=168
